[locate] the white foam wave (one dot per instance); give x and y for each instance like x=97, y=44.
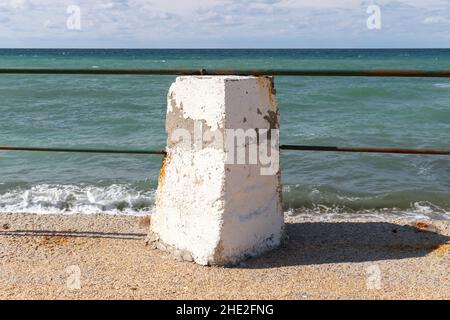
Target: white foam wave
x=45, y=199
x=124, y=199
x=442, y=85
x=427, y=210
x=418, y=210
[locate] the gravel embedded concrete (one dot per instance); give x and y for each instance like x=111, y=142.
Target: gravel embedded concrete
x=336, y=258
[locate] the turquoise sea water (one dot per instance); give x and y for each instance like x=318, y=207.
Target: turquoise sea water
x=128, y=112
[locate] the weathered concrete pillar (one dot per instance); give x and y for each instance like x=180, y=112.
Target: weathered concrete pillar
x=219, y=192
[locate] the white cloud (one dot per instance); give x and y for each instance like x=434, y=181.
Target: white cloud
x=213, y=22
x=15, y=4
x=436, y=20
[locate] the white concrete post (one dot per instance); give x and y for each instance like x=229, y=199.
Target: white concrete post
x=219, y=194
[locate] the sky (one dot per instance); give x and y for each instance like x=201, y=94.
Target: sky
x=224, y=23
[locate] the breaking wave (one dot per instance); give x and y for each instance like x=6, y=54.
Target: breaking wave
x=139, y=199
x=45, y=198
x=299, y=200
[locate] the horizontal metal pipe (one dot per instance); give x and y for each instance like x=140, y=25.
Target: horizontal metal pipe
x=242, y=72
x=282, y=147
x=364, y=150
x=109, y=151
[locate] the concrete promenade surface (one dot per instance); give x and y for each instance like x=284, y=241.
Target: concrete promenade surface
x=105, y=257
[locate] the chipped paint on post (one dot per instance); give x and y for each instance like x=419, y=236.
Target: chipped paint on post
x=207, y=209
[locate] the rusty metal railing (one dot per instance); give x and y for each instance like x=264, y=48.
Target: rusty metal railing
x=282, y=147
x=240, y=72
x=365, y=150
x=79, y=150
